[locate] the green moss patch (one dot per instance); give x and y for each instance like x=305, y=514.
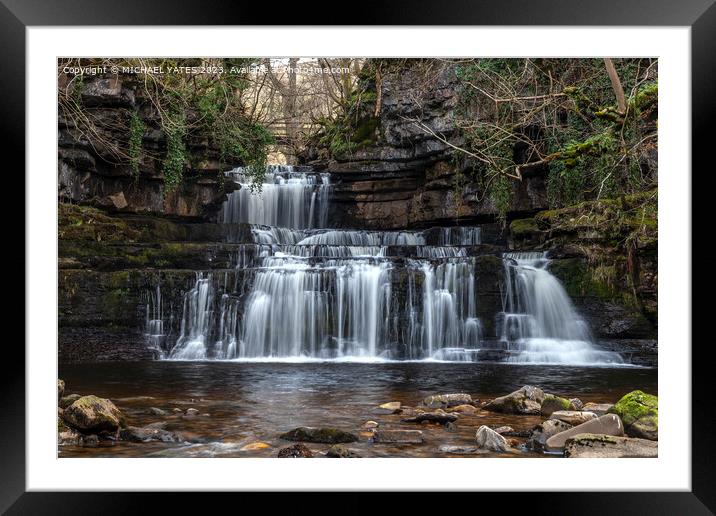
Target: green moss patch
x=635, y=406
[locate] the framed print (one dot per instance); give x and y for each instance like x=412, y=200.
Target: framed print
x=418, y=250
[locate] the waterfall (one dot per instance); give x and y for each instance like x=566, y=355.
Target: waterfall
x=302, y=289
x=539, y=321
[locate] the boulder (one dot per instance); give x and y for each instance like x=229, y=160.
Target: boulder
x=608, y=424
x=440, y=417
x=598, y=408
x=488, y=439
x=398, y=436
x=573, y=417
x=154, y=411
x=527, y=400
x=544, y=431
x=191, y=412
x=504, y=430
x=465, y=409
x=91, y=414
x=60, y=388
x=319, y=435
x=297, y=451
x=552, y=403
x=338, y=451
x=447, y=400
x=577, y=403
x=66, y=401
x=640, y=413
x=370, y=424
x=608, y=446
x=148, y=434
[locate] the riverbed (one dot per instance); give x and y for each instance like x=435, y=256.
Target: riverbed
x=240, y=403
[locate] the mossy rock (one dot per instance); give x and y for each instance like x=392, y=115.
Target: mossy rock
x=524, y=227
x=66, y=401
x=552, y=403
x=319, y=435
x=639, y=412
x=92, y=414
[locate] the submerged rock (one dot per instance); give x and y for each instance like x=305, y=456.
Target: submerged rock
x=608, y=446
x=608, y=424
x=488, y=439
x=573, y=417
x=639, y=412
x=255, y=446
x=88, y=441
x=370, y=424
x=398, y=436
x=154, y=411
x=552, y=403
x=338, y=451
x=544, y=431
x=465, y=409
x=527, y=400
x=319, y=435
x=91, y=414
x=447, y=400
x=297, y=451
x=458, y=450
x=442, y=418
x=68, y=400
x=148, y=434
x=391, y=407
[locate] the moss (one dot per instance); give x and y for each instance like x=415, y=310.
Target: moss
x=523, y=227
x=83, y=223
x=590, y=439
x=635, y=406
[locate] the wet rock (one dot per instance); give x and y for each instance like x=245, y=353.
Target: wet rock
x=608, y=446
x=544, y=431
x=66, y=435
x=451, y=427
x=639, y=412
x=608, y=424
x=392, y=407
x=552, y=403
x=447, y=400
x=488, y=439
x=573, y=417
x=255, y=446
x=319, y=435
x=577, y=403
x=504, y=430
x=66, y=401
x=148, y=434
x=458, y=450
x=433, y=417
x=154, y=411
x=177, y=410
x=91, y=414
x=398, y=436
x=60, y=388
x=598, y=408
x=297, y=451
x=465, y=409
x=370, y=424
x=338, y=451
x=191, y=412
x=527, y=400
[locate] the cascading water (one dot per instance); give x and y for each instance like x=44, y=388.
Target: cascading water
x=310, y=291
x=539, y=320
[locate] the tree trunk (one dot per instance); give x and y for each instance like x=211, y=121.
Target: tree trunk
x=616, y=85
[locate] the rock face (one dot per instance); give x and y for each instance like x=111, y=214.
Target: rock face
x=527, y=400
x=608, y=424
x=640, y=414
x=92, y=171
x=607, y=446
x=319, y=435
x=487, y=439
x=91, y=414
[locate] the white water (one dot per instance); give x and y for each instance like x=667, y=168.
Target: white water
x=309, y=292
x=539, y=321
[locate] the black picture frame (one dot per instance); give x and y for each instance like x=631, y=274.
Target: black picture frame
x=17, y=15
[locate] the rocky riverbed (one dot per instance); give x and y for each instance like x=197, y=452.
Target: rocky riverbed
x=294, y=421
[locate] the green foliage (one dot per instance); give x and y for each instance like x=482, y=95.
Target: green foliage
x=248, y=144
x=136, y=132
x=176, y=156
x=501, y=195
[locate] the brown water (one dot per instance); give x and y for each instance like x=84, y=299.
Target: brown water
x=242, y=403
